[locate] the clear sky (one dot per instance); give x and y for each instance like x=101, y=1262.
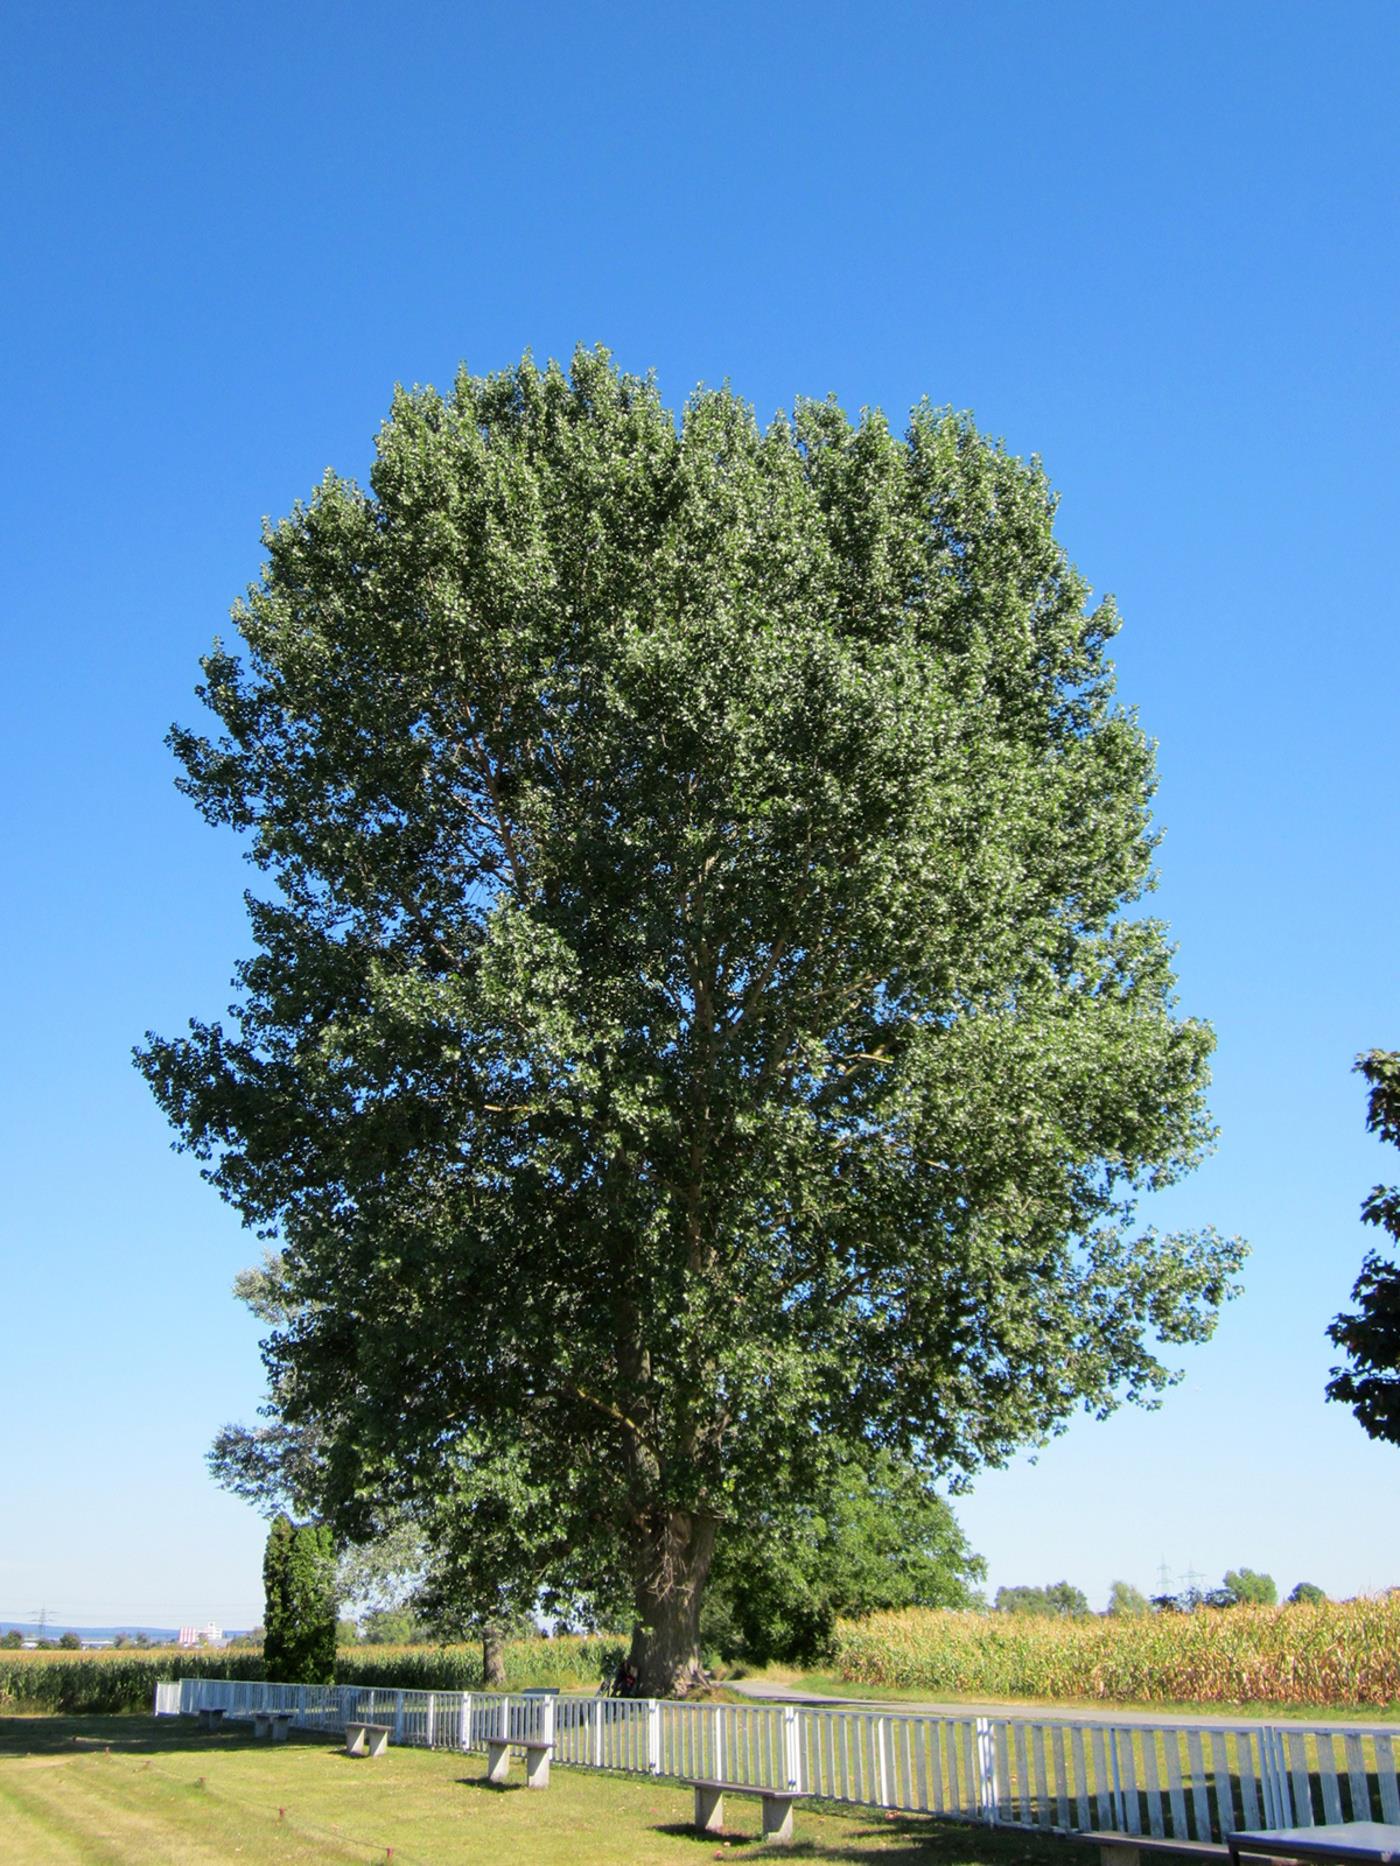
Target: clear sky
x=1155, y=244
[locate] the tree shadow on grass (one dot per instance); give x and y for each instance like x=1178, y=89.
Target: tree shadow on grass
x=50, y=1736
x=141, y=1736
x=906, y=1840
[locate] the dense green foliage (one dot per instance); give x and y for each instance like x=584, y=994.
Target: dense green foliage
x=1370, y=1334
x=1341, y=1653
x=300, y=1610
x=695, y=1028
x=878, y=1538
x=1307, y=1594
x=1124, y=1598
x=1058, y=1598
x=1246, y=1587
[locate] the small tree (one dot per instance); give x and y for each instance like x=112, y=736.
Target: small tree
x=300, y=1615
x=1245, y=1587
x=1307, y=1594
x=1057, y=1601
x=1126, y=1601
x=69, y=1642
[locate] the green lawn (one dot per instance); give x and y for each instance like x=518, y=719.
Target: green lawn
x=137, y=1791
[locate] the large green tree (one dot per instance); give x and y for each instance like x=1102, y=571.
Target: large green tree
x=1370, y=1335
x=694, y=1015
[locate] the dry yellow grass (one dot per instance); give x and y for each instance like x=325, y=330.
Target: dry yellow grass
x=1341, y=1653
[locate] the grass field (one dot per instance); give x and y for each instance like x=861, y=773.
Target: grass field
x=135, y=1791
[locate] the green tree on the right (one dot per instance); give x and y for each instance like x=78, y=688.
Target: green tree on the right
x=1370, y=1335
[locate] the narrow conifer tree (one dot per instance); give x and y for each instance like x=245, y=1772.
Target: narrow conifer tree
x=300, y=1609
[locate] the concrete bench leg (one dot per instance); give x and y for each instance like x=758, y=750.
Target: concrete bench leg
x=279, y=1730
x=355, y=1745
x=1124, y=1854
x=537, y=1768
x=378, y=1742
x=709, y=1810
x=497, y=1761
x=777, y=1820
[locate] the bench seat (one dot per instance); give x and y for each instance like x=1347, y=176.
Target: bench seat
x=366, y=1739
x=1117, y=1849
x=777, y=1807
x=274, y=1724
x=537, y=1757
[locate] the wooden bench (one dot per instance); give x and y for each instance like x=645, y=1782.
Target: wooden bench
x=537, y=1757
x=274, y=1724
x=211, y=1718
x=777, y=1807
x=366, y=1739
x=1124, y=1849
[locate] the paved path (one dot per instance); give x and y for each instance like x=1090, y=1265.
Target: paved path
x=1057, y=1713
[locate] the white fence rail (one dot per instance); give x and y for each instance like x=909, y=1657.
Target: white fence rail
x=1186, y=1781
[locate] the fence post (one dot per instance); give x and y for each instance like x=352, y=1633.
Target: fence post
x=653, y=1736
x=398, y=1716
x=792, y=1745
x=988, y=1790
x=719, y=1742
x=432, y=1717
x=464, y=1723
x=598, y=1707
x=547, y=1724
x=1118, y=1813
x=505, y=1720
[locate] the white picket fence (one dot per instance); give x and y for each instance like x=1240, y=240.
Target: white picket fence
x=1190, y=1781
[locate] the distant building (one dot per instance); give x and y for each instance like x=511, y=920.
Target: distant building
x=210, y=1634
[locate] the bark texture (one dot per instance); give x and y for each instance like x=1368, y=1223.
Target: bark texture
x=674, y=1560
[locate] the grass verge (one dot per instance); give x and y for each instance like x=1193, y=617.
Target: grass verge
x=830, y=1684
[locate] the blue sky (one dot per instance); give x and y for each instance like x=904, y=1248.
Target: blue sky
x=1156, y=245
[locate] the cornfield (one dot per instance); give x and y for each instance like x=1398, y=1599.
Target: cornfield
x=1340, y=1653
x=101, y=1683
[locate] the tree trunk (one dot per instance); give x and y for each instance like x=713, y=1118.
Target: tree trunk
x=674, y=1558
x=493, y=1657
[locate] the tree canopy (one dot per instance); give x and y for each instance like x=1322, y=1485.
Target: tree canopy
x=1370, y=1335
x=300, y=1606
x=878, y=1538
x=1126, y=1601
x=695, y=1020
x=1058, y=1600
x=1247, y=1587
